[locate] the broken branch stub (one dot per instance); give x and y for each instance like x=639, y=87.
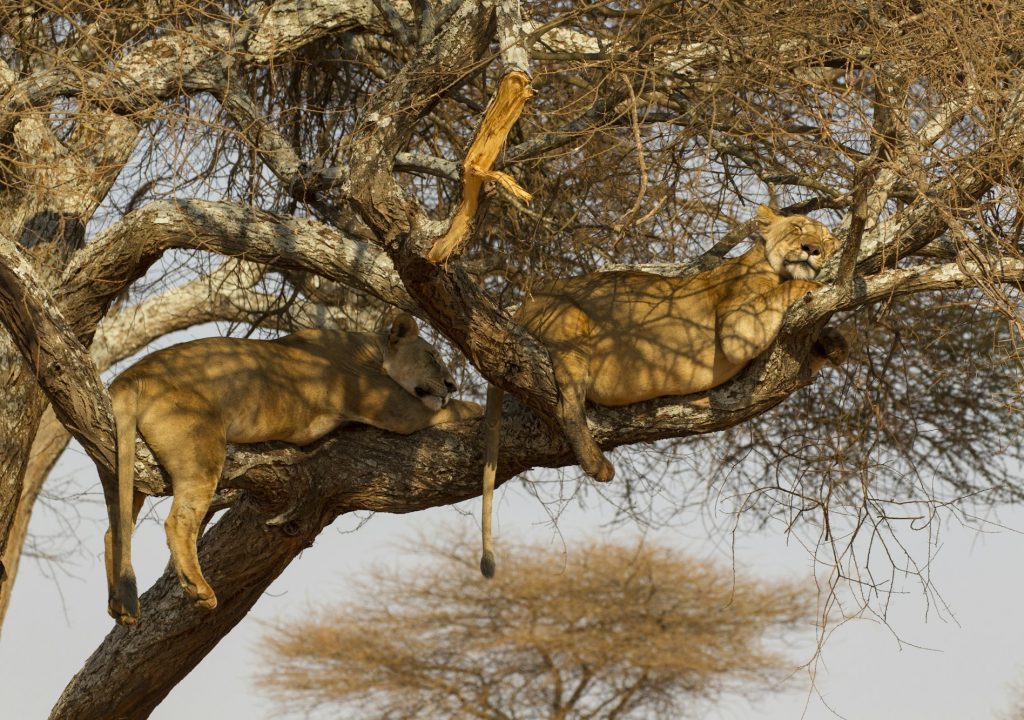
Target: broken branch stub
x=502, y=113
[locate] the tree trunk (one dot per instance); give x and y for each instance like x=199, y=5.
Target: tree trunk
x=21, y=406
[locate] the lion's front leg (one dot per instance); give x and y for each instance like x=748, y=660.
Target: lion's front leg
x=572, y=373
x=746, y=329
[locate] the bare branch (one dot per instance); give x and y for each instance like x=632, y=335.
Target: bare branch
x=395, y=21
x=121, y=254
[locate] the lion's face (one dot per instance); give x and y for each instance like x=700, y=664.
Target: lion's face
x=415, y=364
x=796, y=247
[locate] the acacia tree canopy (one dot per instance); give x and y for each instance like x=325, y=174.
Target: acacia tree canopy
x=604, y=632
x=324, y=146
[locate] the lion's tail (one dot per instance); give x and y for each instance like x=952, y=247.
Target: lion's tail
x=124, y=594
x=492, y=439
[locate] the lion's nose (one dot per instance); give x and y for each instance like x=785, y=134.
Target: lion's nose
x=811, y=250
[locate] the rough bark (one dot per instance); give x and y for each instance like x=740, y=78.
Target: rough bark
x=21, y=405
x=61, y=366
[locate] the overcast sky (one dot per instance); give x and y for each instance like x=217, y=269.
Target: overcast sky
x=942, y=665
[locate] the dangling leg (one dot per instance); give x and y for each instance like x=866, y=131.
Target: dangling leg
x=192, y=452
x=572, y=373
x=191, y=502
x=566, y=332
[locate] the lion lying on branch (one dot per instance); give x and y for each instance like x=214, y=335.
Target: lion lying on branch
x=617, y=338
x=190, y=400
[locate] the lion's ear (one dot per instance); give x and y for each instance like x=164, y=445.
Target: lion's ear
x=403, y=327
x=766, y=216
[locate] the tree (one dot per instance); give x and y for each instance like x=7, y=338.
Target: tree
x=602, y=632
x=328, y=146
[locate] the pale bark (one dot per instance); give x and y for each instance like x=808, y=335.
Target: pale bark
x=121, y=254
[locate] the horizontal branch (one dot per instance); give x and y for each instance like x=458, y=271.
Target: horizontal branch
x=287, y=25
x=121, y=254
x=901, y=282
x=429, y=164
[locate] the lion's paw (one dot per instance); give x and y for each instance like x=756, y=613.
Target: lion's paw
x=207, y=603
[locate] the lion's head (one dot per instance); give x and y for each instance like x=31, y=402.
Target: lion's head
x=414, y=364
x=796, y=246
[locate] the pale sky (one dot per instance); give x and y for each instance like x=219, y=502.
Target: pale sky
x=944, y=669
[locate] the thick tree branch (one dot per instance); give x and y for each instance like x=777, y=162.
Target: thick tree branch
x=61, y=363
x=122, y=254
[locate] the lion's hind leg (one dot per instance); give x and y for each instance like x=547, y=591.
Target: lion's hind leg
x=182, y=526
x=192, y=496
x=192, y=452
x=108, y=542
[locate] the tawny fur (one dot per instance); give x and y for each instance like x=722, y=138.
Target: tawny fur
x=617, y=338
x=190, y=400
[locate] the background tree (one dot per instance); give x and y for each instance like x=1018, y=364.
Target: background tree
x=601, y=632
x=321, y=143
x=1015, y=708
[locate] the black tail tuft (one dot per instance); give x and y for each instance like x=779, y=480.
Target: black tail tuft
x=487, y=564
x=128, y=598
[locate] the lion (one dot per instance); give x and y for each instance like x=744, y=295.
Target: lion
x=189, y=400
x=617, y=338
